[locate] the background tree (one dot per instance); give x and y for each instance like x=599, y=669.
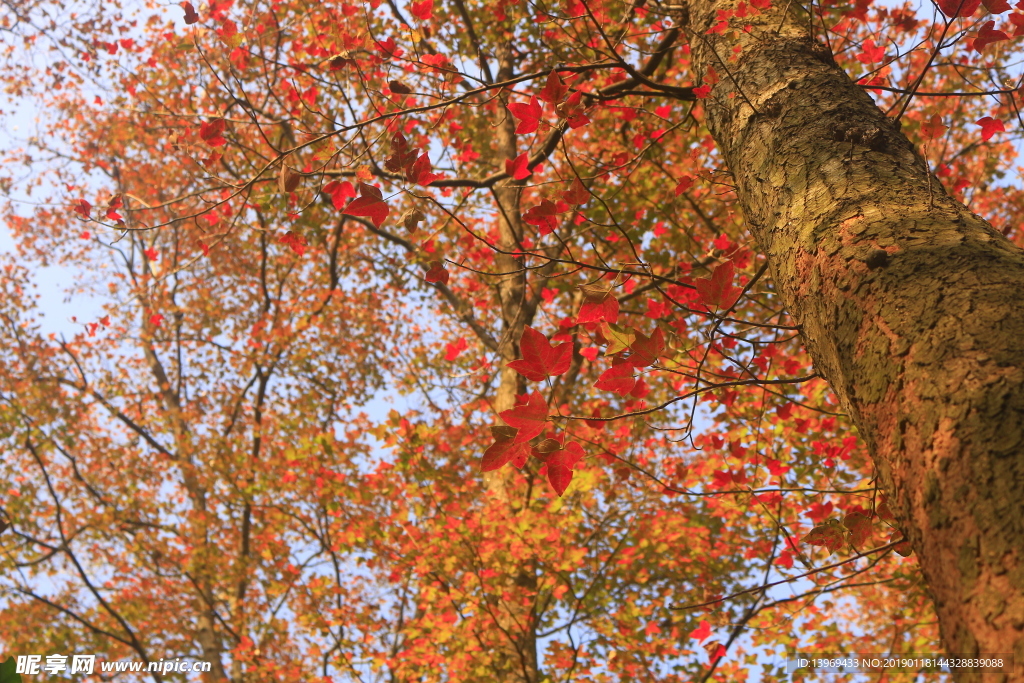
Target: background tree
x=275, y=198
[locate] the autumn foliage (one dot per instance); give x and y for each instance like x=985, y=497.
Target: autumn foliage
x=285, y=212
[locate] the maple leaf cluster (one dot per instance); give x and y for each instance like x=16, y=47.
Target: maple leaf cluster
x=311, y=207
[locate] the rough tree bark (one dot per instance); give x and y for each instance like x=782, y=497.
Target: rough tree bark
x=910, y=306
x=517, y=661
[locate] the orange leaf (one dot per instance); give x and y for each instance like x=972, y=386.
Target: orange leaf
x=860, y=529
x=829, y=535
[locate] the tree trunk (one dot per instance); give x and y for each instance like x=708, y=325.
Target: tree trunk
x=910, y=306
x=516, y=661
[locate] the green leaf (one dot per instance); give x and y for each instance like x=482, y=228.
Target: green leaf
x=8, y=672
x=324, y=152
x=619, y=338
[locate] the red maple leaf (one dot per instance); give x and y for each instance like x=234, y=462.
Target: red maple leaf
x=402, y=156
x=656, y=309
x=529, y=418
x=989, y=127
x=871, y=54
x=454, y=349
x=597, y=424
x=545, y=215
x=722, y=478
x=399, y=143
x=958, y=8
x=528, y=114
x=715, y=651
x=389, y=48
x=576, y=194
x=785, y=559
x=560, y=464
x=295, y=242
x=646, y=350
x=1017, y=19
x=517, y=167
x=573, y=111
x=996, y=6
x=212, y=132
x=875, y=80
x=420, y=171
x=369, y=203
x=819, y=511
x=437, y=273
x=702, y=632
x=618, y=379
x=554, y=90
x=540, y=359
x=933, y=128
x=191, y=16
x=718, y=289
x=439, y=62
x=685, y=183
x=987, y=35
x=598, y=304
x=83, y=208
x=340, y=192
x=228, y=32
x=720, y=27
x=505, y=449
x=723, y=243
x=422, y=10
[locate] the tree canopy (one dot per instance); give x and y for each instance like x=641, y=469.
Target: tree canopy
x=611, y=457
